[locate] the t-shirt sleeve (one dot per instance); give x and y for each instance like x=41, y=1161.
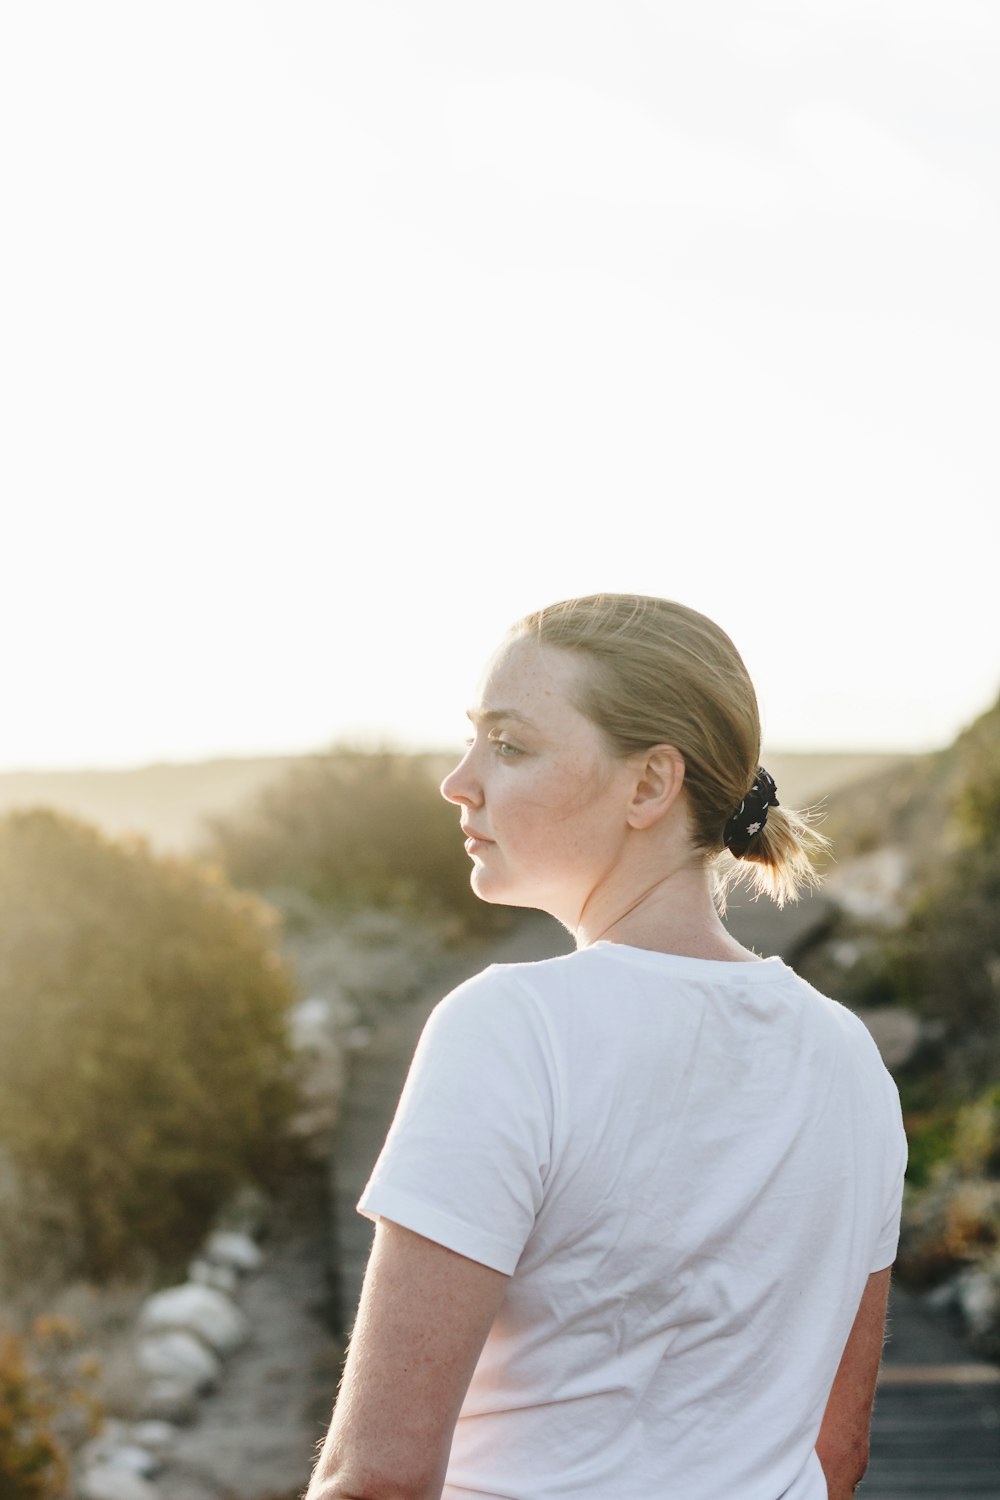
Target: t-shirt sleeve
x=888, y=1240
x=466, y=1157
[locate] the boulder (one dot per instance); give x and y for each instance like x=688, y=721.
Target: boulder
x=176, y=1354
x=103, y=1482
x=227, y=1247
x=248, y=1211
x=167, y=1400
x=155, y=1436
x=978, y=1296
x=944, y=1297
x=208, y=1273
x=311, y=1024
x=202, y=1310
x=103, y=1451
x=872, y=887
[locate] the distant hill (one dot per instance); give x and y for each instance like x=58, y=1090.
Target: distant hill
x=168, y=803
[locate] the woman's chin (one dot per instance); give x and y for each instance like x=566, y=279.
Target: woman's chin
x=493, y=890
x=497, y=892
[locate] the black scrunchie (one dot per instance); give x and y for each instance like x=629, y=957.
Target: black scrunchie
x=751, y=815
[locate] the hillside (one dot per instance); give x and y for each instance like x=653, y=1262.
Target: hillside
x=915, y=803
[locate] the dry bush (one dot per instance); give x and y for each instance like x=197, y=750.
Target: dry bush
x=353, y=828
x=46, y=1406
x=144, y=1066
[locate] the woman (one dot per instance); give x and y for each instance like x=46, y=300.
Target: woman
x=637, y=1209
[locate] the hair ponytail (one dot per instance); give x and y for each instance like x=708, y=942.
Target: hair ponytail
x=780, y=859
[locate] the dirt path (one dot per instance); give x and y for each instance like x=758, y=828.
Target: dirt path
x=256, y=1437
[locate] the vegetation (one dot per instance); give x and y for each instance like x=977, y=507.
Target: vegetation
x=952, y=1219
x=144, y=1066
x=45, y=1403
x=352, y=828
x=945, y=959
x=943, y=962
x=31, y=1461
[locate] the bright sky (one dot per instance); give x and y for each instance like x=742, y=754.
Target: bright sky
x=335, y=336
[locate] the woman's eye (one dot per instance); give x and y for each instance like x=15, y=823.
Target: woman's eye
x=503, y=746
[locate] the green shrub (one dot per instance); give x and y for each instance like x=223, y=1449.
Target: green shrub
x=977, y=803
x=352, y=828
x=945, y=959
x=143, y=1059
x=951, y=1216
x=930, y=1138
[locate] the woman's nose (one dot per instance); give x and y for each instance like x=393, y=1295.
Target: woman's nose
x=460, y=786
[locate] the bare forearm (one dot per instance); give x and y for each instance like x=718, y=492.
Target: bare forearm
x=840, y=1491
x=334, y=1488
x=424, y=1315
x=843, y=1469
x=342, y=1475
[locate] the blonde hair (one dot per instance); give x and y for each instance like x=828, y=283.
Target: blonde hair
x=663, y=674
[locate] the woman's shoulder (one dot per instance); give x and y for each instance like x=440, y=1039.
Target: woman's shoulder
x=525, y=983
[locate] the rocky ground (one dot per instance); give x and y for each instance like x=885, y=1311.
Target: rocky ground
x=255, y=1437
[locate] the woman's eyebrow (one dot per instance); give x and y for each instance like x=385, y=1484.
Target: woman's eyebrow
x=494, y=715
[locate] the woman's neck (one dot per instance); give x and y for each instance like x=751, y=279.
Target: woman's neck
x=675, y=914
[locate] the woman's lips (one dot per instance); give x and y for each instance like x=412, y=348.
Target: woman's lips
x=475, y=842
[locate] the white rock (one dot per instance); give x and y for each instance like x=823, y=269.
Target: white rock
x=155, y=1437
x=178, y=1355
x=103, y=1482
x=168, y=1399
x=845, y=954
x=943, y=1298
x=227, y=1247
x=979, y=1300
x=310, y=1024
x=872, y=886
x=100, y=1453
x=209, y=1273
x=197, y=1309
x=896, y=1031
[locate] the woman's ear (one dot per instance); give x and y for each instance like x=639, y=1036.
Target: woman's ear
x=658, y=784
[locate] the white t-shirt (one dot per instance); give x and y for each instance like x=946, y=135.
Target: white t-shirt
x=688, y=1168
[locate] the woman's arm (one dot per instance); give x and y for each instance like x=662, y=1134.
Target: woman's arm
x=422, y=1321
x=843, y=1439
